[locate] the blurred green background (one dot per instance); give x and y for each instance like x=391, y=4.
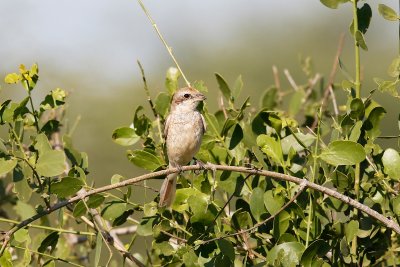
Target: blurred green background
x=90, y=48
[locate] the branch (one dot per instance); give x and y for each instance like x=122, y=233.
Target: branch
x=301, y=189
x=328, y=90
x=388, y=222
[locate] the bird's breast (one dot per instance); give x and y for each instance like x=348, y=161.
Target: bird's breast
x=184, y=137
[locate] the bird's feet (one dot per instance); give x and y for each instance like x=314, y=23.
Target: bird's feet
x=201, y=164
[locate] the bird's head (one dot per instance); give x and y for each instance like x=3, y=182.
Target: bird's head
x=186, y=99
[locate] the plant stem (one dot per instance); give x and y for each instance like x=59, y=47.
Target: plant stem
x=169, y=49
x=358, y=91
x=49, y=256
x=60, y=230
x=356, y=50
x=314, y=171
x=34, y=112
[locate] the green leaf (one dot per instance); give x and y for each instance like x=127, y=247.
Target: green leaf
x=95, y=201
x=145, y=227
x=5, y=259
x=387, y=12
x=144, y=159
x=291, y=141
x=53, y=100
x=200, y=86
x=351, y=230
x=357, y=109
x=171, y=80
x=141, y=123
x=113, y=209
x=161, y=104
x=224, y=87
x=237, y=88
x=273, y=120
x=50, y=241
x=12, y=78
x=387, y=86
x=394, y=68
x=317, y=248
x=22, y=235
x=66, y=187
x=198, y=204
x=257, y=203
x=79, y=209
x=20, y=178
x=227, y=126
x=42, y=144
x=150, y=209
x=51, y=163
x=182, y=196
x=396, y=205
x=21, y=109
x=99, y=245
x=7, y=165
x=273, y=203
x=285, y=254
x=356, y=131
x=125, y=136
x=116, y=178
x=333, y=3
x=371, y=125
x=364, y=15
x=271, y=148
x=296, y=102
x=163, y=248
x=391, y=162
x=281, y=223
x=343, y=153
x=227, y=249
x=121, y=219
x=242, y=219
x=360, y=40
x=268, y=99
x=347, y=85
x=237, y=136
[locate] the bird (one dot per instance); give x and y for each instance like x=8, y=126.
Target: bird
x=183, y=132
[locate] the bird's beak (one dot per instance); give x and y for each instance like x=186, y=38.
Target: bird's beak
x=200, y=97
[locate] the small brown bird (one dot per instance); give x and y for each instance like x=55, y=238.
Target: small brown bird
x=184, y=128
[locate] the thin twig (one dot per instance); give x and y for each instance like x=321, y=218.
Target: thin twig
x=276, y=77
x=328, y=90
x=388, y=222
x=290, y=79
x=146, y=89
x=303, y=186
x=222, y=106
x=311, y=86
x=169, y=49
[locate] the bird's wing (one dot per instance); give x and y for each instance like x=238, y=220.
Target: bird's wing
x=204, y=123
x=166, y=126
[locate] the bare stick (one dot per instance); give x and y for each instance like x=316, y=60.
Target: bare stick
x=169, y=49
x=290, y=79
x=388, y=222
x=276, y=77
x=328, y=90
x=146, y=89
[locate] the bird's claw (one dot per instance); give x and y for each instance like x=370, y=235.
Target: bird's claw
x=201, y=165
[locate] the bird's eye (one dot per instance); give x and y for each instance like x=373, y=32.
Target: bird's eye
x=186, y=95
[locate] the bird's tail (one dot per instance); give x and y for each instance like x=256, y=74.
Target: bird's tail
x=167, y=191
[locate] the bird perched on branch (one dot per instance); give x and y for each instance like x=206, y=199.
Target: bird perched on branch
x=184, y=128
